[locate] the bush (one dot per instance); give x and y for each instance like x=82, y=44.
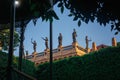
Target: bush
x=27, y=66
x=99, y=65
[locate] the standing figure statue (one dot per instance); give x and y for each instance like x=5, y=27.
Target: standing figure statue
x=60, y=39
x=74, y=35
x=46, y=42
x=34, y=45
x=87, y=41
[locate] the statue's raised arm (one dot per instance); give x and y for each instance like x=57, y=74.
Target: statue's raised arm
x=46, y=42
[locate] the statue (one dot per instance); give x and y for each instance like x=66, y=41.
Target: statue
x=27, y=53
x=46, y=42
x=34, y=45
x=74, y=35
x=60, y=39
x=87, y=41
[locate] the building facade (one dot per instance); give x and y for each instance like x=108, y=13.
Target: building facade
x=64, y=52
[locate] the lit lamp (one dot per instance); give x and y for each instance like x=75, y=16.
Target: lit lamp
x=17, y=3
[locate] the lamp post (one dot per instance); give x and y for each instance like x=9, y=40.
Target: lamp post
x=12, y=25
x=51, y=58
x=14, y=3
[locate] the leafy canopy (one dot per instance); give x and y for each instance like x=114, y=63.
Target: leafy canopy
x=104, y=11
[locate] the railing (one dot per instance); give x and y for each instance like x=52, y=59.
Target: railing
x=18, y=75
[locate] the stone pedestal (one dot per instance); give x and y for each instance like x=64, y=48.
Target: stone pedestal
x=60, y=47
x=46, y=51
x=75, y=44
x=114, y=42
x=34, y=55
x=94, y=48
x=88, y=50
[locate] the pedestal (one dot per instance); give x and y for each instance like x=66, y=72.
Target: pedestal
x=60, y=48
x=34, y=55
x=75, y=44
x=46, y=51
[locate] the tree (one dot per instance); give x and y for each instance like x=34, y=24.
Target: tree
x=118, y=43
x=104, y=11
x=4, y=39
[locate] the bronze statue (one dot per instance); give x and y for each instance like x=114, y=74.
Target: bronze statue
x=74, y=35
x=27, y=53
x=34, y=45
x=60, y=39
x=46, y=42
x=87, y=41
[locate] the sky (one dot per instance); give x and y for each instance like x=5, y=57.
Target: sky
x=97, y=33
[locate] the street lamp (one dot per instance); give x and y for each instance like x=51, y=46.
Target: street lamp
x=17, y=3
x=13, y=5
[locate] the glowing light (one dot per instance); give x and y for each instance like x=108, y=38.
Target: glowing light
x=17, y=3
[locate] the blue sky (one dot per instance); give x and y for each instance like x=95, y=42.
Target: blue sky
x=95, y=32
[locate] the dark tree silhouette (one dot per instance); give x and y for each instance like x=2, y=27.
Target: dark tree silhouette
x=104, y=11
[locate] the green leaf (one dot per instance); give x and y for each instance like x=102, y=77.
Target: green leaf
x=32, y=7
x=116, y=33
x=43, y=18
x=60, y=4
x=55, y=15
x=79, y=23
x=75, y=18
x=112, y=26
x=86, y=20
x=51, y=19
x=70, y=15
x=62, y=9
x=36, y=13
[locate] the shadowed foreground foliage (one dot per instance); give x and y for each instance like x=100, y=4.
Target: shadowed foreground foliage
x=99, y=65
x=27, y=66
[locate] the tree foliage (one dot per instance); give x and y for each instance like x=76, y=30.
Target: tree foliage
x=118, y=43
x=104, y=11
x=4, y=39
x=87, y=67
x=27, y=66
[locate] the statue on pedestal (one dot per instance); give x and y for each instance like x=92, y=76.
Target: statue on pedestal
x=27, y=53
x=87, y=41
x=74, y=35
x=46, y=42
x=60, y=40
x=34, y=45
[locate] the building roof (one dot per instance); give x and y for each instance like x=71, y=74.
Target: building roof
x=102, y=46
